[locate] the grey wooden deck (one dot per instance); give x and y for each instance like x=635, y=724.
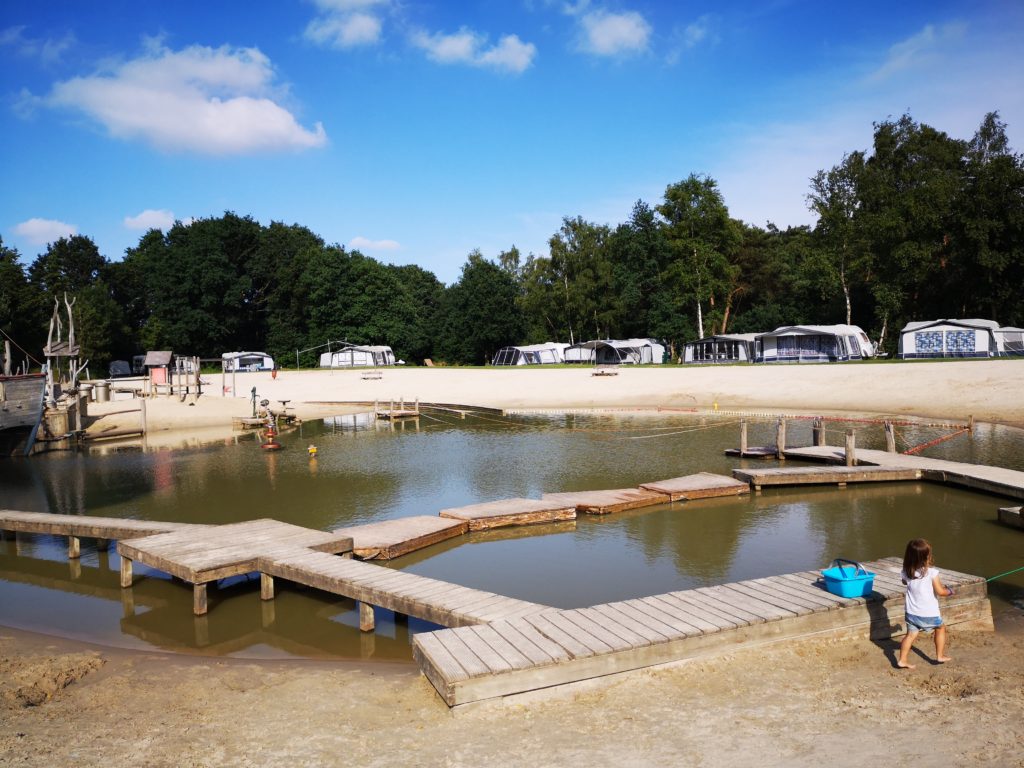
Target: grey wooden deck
x=526, y=653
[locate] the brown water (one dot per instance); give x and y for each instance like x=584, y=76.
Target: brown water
x=366, y=473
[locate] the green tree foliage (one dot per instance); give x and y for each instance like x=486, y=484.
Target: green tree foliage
x=480, y=313
x=581, y=279
x=19, y=319
x=704, y=241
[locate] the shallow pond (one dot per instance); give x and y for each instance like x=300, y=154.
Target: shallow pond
x=366, y=471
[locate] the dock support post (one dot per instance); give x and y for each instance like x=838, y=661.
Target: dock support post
x=74, y=547
x=743, y=438
x=366, y=623
x=266, y=587
x=126, y=572
x=970, y=423
x=780, y=439
x=142, y=415
x=127, y=604
x=818, y=430
x=268, y=614
x=418, y=405
x=851, y=448
x=199, y=606
x=890, y=438
x=75, y=568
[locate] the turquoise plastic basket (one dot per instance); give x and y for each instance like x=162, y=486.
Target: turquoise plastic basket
x=848, y=578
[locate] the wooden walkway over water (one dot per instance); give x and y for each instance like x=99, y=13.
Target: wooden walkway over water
x=536, y=651
x=995, y=480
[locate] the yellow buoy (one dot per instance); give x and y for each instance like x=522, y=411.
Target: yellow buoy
x=312, y=451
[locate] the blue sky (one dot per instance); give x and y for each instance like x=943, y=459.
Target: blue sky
x=418, y=131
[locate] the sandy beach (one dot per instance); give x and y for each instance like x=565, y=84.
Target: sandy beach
x=793, y=704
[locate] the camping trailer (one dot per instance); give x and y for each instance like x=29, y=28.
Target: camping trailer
x=246, y=361
x=723, y=348
x=813, y=344
x=358, y=356
x=548, y=353
x=622, y=351
x=952, y=338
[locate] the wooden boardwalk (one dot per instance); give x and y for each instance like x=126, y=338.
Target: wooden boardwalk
x=207, y=554
x=995, y=480
x=508, y=512
x=389, y=539
x=527, y=653
x=703, y=485
x=1012, y=516
x=373, y=585
x=607, y=502
x=839, y=475
x=75, y=527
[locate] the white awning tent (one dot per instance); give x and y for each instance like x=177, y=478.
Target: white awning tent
x=723, y=348
x=953, y=338
x=548, y=353
x=1010, y=340
x=618, y=352
x=247, y=361
x=813, y=344
x=358, y=356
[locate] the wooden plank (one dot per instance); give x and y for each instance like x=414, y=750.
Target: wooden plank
x=528, y=645
x=624, y=625
x=509, y=652
x=731, y=603
x=711, y=609
x=441, y=656
x=695, y=621
x=570, y=636
x=494, y=660
x=699, y=486
x=776, y=597
x=548, y=641
x=647, y=617
x=683, y=625
x=467, y=659
x=729, y=593
x=608, y=501
x=507, y=512
x=602, y=627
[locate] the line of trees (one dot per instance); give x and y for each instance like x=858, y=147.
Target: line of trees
x=921, y=227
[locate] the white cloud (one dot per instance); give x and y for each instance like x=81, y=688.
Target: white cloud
x=210, y=100
x=345, y=31
x=614, y=34
x=697, y=32
x=365, y=244
x=44, y=231
x=918, y=50
x=48, y=50
x=150, y=219
x=468, y=47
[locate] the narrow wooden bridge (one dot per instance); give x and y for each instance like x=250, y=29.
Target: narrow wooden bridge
x=517, y=655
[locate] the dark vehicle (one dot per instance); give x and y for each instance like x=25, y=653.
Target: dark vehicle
x=119, y=368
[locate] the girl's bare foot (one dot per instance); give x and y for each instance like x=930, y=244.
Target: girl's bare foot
x=905, y=665
x=944, y=659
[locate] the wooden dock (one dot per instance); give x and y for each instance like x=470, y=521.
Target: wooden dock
x=607, y=502
x=440, y=602
x=837, y=475
x=703, y=485
x=76, y=527
x=1012, y=516
x=517, y=655
x=508, y=512
x=202, y=555
x=389, y=539
x=995, y=480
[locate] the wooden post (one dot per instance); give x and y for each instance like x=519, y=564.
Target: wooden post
x=743, y=438
x=266, y=587
x=780, y=439
x=819, y=432
x=366, y=617
x=267, y=614
x=970, y=423
x=391, y=412
x=142, y=415
x=74, y=547
x=75, y=568
x=127, y=603
x=199, y=606
x=890, y=438
x=126, y=572
x=417, y=405
x=851, y=448
x=401, y=403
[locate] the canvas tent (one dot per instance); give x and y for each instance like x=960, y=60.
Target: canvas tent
x=624, y=351
x=355, y=356
x=951, y=338
x=1010, y=340
x=723, y=348
x=548, y=353
x=813, y=344
x=245, y=361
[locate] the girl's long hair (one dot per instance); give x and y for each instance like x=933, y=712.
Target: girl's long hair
x=916, y=558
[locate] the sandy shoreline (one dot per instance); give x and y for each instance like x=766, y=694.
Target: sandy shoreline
x=793, y=704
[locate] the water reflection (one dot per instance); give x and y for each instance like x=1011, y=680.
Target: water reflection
x=366, y=470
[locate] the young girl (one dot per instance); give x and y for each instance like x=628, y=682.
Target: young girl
x=922, y=605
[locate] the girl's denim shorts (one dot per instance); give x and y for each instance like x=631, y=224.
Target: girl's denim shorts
x=923, y=623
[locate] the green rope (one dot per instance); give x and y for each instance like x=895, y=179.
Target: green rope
x=1005, y=574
